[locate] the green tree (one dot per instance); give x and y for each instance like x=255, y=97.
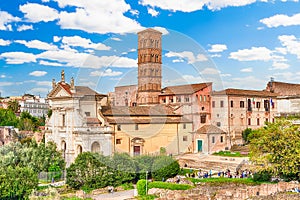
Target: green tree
x=123, y=168
x=87, y=172
x=164, y=167
x=144, y=163
x=14, y=106
x=8, y=118
x=276, y=149
x=17, y=182
x=245, y=134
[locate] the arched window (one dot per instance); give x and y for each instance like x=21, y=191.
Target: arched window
x=79, y=149
x=96, y=147
x=63, y=148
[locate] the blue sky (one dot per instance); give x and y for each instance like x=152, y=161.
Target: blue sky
x=234, y=43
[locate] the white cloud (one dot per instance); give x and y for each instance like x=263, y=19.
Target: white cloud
x=77, y=41
x=152, y=12
x=134, y=12
x=193, y=5
x=279, y=65
x=96, y=16
x=248, y=82
x=56, y=38
x=25, y=27
x=116, y=39
x=107, y=72
x=216, y=48
x=247, y=70
x=36, y=44
x=34, y=12
x=163, y=30
x=75, y=59
x=253, y=54
x=18, y=57
x=5, y=19
x=281, y=20
x=210, y=71
x=177, y=60
x=188, y=55
x=3, y=76
x=42, y=62
x=291, y=43
x=4, y=42
x=38, y=73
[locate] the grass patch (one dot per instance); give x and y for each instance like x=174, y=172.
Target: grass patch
x=230, y=154
x=222, y=180
x=169, y=186
x=127, y=186
x=146, y=197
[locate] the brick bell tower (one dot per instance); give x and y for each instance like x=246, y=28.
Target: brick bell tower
x=149, y=66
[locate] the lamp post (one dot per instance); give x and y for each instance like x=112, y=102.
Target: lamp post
x=146, y=182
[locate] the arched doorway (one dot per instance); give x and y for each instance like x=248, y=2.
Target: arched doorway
x=79, y=149
x=95, y=147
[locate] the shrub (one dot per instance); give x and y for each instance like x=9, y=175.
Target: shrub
x=164, y=167
x=141, y=187
x=169, y=186
x=262, y=176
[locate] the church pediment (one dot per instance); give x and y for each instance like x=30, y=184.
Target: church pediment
x=60, y=91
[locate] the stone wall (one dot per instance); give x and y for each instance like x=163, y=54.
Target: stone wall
x=227, y=192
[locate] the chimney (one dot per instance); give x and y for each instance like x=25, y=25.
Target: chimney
x=72, y=84
x=63, y=76
x=53, y=83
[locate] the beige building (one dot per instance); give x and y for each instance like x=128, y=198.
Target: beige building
x=234, y=110
x=74, y=124
x=148, y=129
x=288, y=99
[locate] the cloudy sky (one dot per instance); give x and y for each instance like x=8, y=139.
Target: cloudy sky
x=234, y=43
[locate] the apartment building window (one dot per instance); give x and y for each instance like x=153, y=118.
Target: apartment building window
x=257, y=104
x=184, y=126
x=257, y=121
x=136, y=127
x=87, y=114
x=213, y=104
x=200, y=97
x=187, y=99
x=242, y=104
x=221, y=139
x=178, y=99
x=203, y=119
x=164, y=100
x=204, y=97
x=222, y=104
x=218, y=124
x=184, y=138
x=267, y=120
x=118, y=141
x=231, y=104
x=249, y=121
x=171, y=100
x=213, y=139
x=119, y=127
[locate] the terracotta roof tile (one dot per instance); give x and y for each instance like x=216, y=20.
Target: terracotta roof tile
x=208, y=129
x=241, y=92
x=184, y=89
x=284, y=89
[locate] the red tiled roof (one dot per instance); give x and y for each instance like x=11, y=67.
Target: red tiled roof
x=284, y=89
x=208, y=129
x=241, y=92
x=184, y=89
x=157, y=110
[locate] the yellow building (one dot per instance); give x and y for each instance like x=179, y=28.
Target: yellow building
x=148, y=129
